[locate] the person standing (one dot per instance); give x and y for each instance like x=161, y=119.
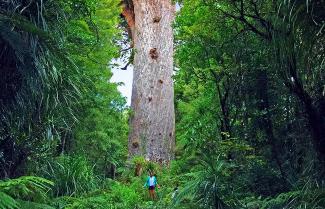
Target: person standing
x=151, y=184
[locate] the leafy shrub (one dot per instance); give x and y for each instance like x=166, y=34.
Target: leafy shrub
x=311, y=197
x=126, y=196
x=139, y=160
x=114, y=196
x=100, y=200
x=152, y=167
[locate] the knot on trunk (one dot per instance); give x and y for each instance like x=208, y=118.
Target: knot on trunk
x=156, y=19
x=153, y=53
x=135, y=144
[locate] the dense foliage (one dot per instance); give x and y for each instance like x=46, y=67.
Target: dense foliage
x=61, y=118
x=250, y=107
x=250, y=91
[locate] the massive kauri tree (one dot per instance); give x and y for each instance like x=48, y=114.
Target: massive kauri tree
x=152, y=121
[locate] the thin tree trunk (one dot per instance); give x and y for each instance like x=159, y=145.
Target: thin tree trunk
x=267, y=124
x=153, y=120
x=225, y=126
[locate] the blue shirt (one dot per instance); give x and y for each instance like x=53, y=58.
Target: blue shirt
x=147, y=184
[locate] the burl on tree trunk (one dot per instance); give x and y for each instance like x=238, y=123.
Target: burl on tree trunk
x=152, y=122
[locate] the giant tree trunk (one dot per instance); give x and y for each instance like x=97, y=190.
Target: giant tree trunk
x=153, y=120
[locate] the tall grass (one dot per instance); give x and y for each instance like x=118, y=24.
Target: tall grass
x=72, y=175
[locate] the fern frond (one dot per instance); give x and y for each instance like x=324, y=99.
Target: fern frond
x=33, y=205
x=7, y=202
x=26, y=187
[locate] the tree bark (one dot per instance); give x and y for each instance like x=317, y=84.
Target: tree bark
x=152, y=122
x=313, y=114
x=315, y=119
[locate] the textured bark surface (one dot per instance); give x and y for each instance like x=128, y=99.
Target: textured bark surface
x=153, y=120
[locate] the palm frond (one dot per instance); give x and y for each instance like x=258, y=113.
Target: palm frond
x=204, y=184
